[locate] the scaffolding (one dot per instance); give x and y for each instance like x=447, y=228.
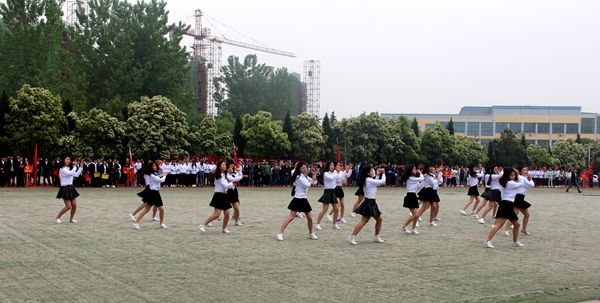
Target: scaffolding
x=312, y=78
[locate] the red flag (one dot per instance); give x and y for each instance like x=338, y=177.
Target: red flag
x=339, y=155
x=235, y=159
x=130, y=157
x=35, y=164
x=130, y=168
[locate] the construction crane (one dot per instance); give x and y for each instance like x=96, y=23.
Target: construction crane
x=207, y=55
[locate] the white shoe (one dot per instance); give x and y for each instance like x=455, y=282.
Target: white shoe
x=432, y=224
x=329, y=218
x=481, y=221
x=343, y=220
x=300, y=215
x=525, y=232
x=476, y=216
x=313, y=236
x=226, y=231
x=378, y=239
x=437, y=219
x=352, y=240
x=518, y=244
x=113, y=186
x=318, y=226
x=279, y=237
x=506, y=233
x=73, y=221
x=420, y=219
x=238, y=223
x=406, y=230
x=417, y=225
x=353, y=215
x=163, y=226
x=155, y=219
x=488, y=244
x=209, y=224
x=132, y=217
x=202, y=229
x=464, y=213
x=57, y=221
x=136, y=226
x=415, y=231
x=336, y=226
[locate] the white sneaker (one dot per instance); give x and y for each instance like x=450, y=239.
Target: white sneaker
x=136, y=226
x=318, y=226
x=155, y=219
x=437, y=219
x=238, y=223
x=73, y=221
x=464, y=213
x=378, y=239
x=57, y=221
x=300, y=215
x=417, y=225
x=481, y=221
x=329, y=218
x=353, y=215
x=209, y=224
x=202, y=229
x=476, y=216
x=226, y=231
x=163, y=226
x=525, y=232
x=336, y=226
x=313, y=236
x=420, y=219
x=279, y=237
x=506, y=233
x=343, y=220
x=415, y=231
x=432, y=224
x=518, y=244
x=488, y=244
x=406, y=230
x=132, y=217
x=352, y=240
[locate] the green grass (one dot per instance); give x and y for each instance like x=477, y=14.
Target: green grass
x=102, y=259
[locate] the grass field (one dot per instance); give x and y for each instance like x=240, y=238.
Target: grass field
x=102, y=259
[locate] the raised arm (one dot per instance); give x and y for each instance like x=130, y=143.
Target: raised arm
x=376, y=182
x=526, y=182
x=156, y=178
x=238, y=176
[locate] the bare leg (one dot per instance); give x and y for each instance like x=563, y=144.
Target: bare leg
x=378, y=221
x=143, y=213
x=225, y=218
x=525, y=218
x=476, y=203
x=515, y=230
x=212, y=217
x=288, y=220
x=137, y=210
x=482, y=205
x=497, y=225
x=414, y=217
x=154, y=209
x=161, y=211
x=65, y=209
x=435, y=208
x=342, y=207
x=471, y=198
x=491, y=205
x=236, y=211
x=363, y=221
x=322, y=213
x=336, y=211
x=424, y=208
x=73, y=209
x=309, y=221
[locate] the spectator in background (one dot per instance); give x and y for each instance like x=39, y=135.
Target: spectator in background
x=575, y=173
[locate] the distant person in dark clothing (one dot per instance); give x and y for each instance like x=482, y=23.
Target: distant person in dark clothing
x=575, y=173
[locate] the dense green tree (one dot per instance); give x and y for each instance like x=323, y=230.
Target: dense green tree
x=415, y=126
x=225, y=122
x=264, y=137
x=409, y=149
x=540, y=156
x=308, y=138
x=206, y=139
x=330, y=143
x=289, y=130
x=436, y=145
x=466, y=150
x=238, y=140
x=450, y=127
x=578, y=139
x=157, y=128
x=35, y=117
x=506, y=150
x=4, y=109
x=569, y=153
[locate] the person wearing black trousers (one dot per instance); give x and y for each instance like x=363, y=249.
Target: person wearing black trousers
x=575, y=179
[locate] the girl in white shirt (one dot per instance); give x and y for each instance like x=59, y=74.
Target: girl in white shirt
x=494, y=195
x=147, y=168
x=360, y=193
x=67, y=191
x=412, y=177
x=234, y=175
x=339, y=191
x=328, y=197
x=152, y=197
x=219, y=201
x=520, y=204
x=299, y=203
x=510, y=186
x=428, y=195
x=473, y=193
x=368, y=208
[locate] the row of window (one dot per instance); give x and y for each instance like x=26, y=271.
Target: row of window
x=544, y=143
x=477, y=129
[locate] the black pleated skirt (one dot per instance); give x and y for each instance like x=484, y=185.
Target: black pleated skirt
x=436, y=198
x=339, y=192
x=153, y=198
x=359, y=192
x=486, y=193
x=411, y=201
x=300, y=205
x=232, y=195
x=426, y=194
x=67, y=192
x=520, y=202
x=495, y=195
x=473, y=191
x=328, y=197
x=143, y=193
x=506, y=210
x=368, y=208
x=220, y=201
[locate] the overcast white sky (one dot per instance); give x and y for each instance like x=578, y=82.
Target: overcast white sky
x=425, y=56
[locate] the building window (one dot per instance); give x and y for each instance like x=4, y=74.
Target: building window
x=487, y=129
x=572, y=128
x=543, y=143
x=558, y=128
x=444, y=124
x=587, y=125
x=515, y=127
x=473, y=129
x=529, y=128
x=484, y=141
x=459, y=127
x=543, y=128
x=501, y=126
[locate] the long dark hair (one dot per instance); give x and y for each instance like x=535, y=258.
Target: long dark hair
x=427, y=166
x=472, y=171
x=363, y=174
x=297, y=171
x=407, y=172
x=218, y=170
x=329, y=164
x=506, y=176
x=62, y=163
x=489, y=171
x=148, y=168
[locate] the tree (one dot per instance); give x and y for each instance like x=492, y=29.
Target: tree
x=466, y=151
x=330, y=143
x=225, y=122
x=569, y=153
x=4, y=146
x=450, y=128
x=289, y=130
x=264, y=137
x=415, y=126
x=157, y=128
x=332, y=119
x=506, y=150
x=205, y=138
x=35, y=117
x=308, y=139
x=409, y=148
x=578, y=139
x=436, y=145
x=540, y=156
x=238, y=140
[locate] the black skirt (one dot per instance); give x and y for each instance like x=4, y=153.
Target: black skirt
x=506, y=210
x=359, y=192
x=426, y=195
x=220, y=201
x=486, y=193
x=300, y=205
x=368, y=208
x=473, y=191
x=339, y=192
x=143, y=193
x=436, y=198
x=328, y=197
x=411, y=201
x=520, y=202
x=495, y=195
x=153, y=198
x=67, y=193
x=233, y=196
